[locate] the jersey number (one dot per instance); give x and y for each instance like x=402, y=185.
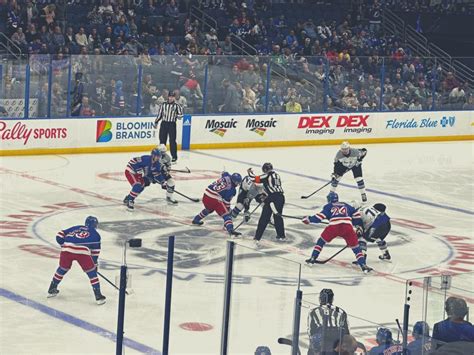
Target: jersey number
x=220, y=185
x=339, y=211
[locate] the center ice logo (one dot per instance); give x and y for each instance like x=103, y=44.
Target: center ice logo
x=103, y=133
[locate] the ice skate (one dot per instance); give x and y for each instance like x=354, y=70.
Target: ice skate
x=311, y=261
x=127, y=201
x=53, y=290
x=171, y=200
x=366, y=269
x=385, y=256
x=99, y=297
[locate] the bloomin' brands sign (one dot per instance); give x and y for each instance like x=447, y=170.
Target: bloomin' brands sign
x=328, y=124
x=124, y=130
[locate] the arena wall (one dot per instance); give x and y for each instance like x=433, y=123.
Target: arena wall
x=117, y=134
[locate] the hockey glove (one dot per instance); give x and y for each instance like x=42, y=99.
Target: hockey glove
x=359, y=232
x=305, y=220
x=250, y=172
x=260, y=198
x=146, y=182
x=368, y=236
x=164, y=186
x=363, y=153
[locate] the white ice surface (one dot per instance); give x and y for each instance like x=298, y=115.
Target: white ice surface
x=429, y=184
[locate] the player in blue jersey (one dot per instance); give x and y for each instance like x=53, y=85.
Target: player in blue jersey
x=341, y=217
x=422, y=340
x=386, y=345
x=145, y=170
x=454, y=328
x=217, y=197
x=81, y=244
x=376, y=226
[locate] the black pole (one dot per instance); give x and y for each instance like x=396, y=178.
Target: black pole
x=296, y=323
x=406, y=315
x=121, y=309
x=169, y=287
x=227, y=293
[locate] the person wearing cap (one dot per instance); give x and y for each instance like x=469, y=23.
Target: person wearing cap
x=168, y=113
x=154, y=105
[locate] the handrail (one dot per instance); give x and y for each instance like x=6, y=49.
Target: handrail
x=201, y=15
x=245, y=43
x=10, y=43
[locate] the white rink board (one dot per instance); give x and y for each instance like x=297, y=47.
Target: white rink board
x=297, y=128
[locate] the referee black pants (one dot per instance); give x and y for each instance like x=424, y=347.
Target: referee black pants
x=168, y=129
x=278, y=200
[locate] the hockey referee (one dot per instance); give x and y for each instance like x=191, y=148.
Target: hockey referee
x=273, y=203
x=168, y=113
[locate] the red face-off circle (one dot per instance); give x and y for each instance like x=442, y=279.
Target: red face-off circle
x=196, y=326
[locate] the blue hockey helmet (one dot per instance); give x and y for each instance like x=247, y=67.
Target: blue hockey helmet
x=326, y=296
x=236, y=178
x=384, y=336
x=421, y=328
x=92, y=222
x=332, y=197
x=156, y=152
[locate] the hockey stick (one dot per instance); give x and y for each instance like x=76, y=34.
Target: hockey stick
x=187, y=171
x=189, y=198
x=322, y=187
x=292, y=217
x=110, y=282
x=331, y=257
x=251, y=213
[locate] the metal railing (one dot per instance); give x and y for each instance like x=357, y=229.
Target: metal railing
x=8, y=44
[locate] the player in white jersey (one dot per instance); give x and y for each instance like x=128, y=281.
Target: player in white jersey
x=346, y=159
x=165, y=162
x=248, y=191
x=376, y=226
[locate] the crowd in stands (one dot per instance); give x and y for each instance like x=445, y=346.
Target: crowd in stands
x=341, y=63
x=445, y=7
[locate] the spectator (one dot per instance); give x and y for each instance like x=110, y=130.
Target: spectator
x=469, y=105
x=163, y=97
x=422, y=341
x=81, y=38
x=172, y=10
x=31, y=34
x=118, y=99
x=292, y=105
x=454, y=328
x=415, y=105
x=154, y=106
x=122, y=28
x=19, y=38
x=232, y=98
x=180, y=99
x=70, y=38
x=326, y=324
x=168, y=46
x=78, y=90
x=83, y=109
x=385, y=344
x=49, y=14
x=249, y=99
x=58, y=37
x=31, y=13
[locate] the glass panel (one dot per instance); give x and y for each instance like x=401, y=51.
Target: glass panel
x=263, y=292
x=236, y=84
x=13, y=87
x=39, y=86
x=60, y=66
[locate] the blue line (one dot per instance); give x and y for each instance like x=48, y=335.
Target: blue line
x=412, y=199
x=75, y=321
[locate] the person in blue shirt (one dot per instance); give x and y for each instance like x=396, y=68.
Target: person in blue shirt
x=386, y=345
x=82, y=244
x=455, y=328
x=422, y=343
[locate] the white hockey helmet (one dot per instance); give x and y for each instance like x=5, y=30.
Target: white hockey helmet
x=162, y=148
x=345, y=146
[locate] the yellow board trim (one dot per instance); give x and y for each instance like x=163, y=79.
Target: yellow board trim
x=331, y=142
x=85, y=150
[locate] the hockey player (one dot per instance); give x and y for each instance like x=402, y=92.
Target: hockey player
x=346, y=159
x=82, y=244
x=327, y=324
x=247, y=192
x=385, y=343
x=375, y=227
x=273, y=203
x=341, y=217
x=217, y=198
x=143, y=171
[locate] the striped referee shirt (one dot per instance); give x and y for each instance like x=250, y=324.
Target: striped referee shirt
x=326, y=324
x=271, y=182
x=169, y=112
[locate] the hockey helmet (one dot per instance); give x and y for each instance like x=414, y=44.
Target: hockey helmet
x=267, y=167
x=345, y=147
x=380, y=207
x=91, y=222
x=236, y=178
x=156, y=152
x=332, y=197
x=384, y=336
x=421, y=328
x=263, y=350
x=326, y=296
x=162, y=148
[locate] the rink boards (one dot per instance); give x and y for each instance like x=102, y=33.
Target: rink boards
x=113, y=134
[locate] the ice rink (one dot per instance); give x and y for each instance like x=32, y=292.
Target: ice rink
x=427, y=187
